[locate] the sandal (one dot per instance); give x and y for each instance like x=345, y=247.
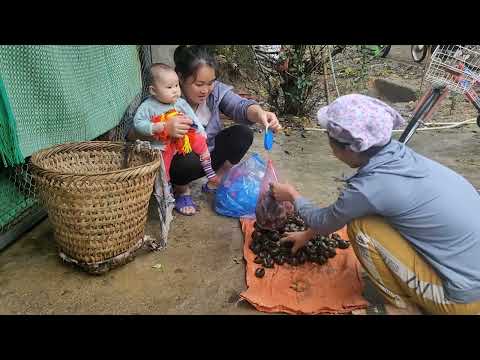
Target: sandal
x=207, y=190
x=182, y=201
x=376, y=309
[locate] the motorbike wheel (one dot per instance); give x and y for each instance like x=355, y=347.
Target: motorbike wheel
x=418, y=52
x=385, y=50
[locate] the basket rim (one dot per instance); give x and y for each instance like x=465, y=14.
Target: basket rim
x=88, y=145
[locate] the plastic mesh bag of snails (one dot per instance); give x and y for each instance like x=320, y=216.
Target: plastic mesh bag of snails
x=270, y=213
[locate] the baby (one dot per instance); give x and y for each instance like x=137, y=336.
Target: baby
x=165, y=102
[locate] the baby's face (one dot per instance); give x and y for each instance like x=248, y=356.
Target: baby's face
x=166, y=88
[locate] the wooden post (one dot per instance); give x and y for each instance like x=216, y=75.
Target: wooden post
x=325, y=75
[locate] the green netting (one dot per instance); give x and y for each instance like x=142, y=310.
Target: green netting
x=13, y=201
x=63, y=93
x=8, y=138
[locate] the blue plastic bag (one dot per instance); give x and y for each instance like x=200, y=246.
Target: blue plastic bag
x=238, y=192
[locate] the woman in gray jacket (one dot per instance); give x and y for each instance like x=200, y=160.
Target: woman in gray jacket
x=196, y=68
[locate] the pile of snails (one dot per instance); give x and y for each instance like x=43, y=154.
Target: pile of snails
x=269, y=250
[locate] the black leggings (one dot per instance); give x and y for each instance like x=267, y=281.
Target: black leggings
x=230, y=144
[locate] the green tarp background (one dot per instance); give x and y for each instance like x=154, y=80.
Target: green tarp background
x=52, y=94
x=61, y=93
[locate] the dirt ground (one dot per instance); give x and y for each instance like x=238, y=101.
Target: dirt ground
x=202, y=269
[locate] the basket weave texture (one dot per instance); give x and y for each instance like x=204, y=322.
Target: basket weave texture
x=96, y=194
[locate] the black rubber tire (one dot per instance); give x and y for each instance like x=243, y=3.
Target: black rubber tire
x=478, y=120
x=422, y=56
x=385, y=51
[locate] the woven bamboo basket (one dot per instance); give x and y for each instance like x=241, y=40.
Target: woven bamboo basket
x=96, y=194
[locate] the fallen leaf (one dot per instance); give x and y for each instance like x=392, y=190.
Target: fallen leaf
x=157, y=266
x=298, y=286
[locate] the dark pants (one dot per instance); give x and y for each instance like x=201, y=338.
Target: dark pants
x=230, y=144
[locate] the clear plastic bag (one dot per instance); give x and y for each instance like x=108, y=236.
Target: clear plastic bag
x=270, y=213
x=238, y=192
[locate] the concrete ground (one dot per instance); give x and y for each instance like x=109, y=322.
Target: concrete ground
x=202, y=271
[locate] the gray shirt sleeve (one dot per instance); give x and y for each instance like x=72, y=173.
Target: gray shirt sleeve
x=351, y=204
x=141, y=120
x=235, y=107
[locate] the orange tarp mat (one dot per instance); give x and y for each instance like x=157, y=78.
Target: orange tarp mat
x=334, y=288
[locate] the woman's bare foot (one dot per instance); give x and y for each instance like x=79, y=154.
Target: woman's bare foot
x=213, y=183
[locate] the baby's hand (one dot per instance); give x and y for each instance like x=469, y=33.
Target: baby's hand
x=157, y=127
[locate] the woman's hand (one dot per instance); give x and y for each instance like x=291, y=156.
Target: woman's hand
x=178, y=126
x=284, y=192
x=266, y=118
x=299, y=239
x=269, y=119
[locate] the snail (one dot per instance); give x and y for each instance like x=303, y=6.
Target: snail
x=258, y=260
x=331, y=253
x=301, y=258
x=256, y=248
x=275, y=251
x=294, y=261
x=260, y=272
x=335, y=236
x=333, y=243
x=268, y=262
x=275, y=237
x=321, y=260
x=343, y=244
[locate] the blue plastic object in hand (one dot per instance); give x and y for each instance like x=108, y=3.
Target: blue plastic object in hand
x=268, y=139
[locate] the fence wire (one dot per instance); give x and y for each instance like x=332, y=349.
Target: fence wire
x=17, y=190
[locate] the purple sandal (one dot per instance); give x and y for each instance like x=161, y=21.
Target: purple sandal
x=207, y=190
x=182, y=201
